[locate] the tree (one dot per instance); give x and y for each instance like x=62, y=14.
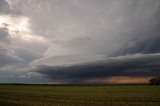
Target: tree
x=155, y=81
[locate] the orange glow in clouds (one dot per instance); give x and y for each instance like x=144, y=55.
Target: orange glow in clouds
x=120, y=80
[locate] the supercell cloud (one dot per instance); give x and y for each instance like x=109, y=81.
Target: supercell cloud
x=76, y=41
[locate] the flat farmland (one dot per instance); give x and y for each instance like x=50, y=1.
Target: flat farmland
x=109, y=95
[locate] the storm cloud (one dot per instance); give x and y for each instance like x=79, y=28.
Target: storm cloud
x=76, y=41
x=137, y=65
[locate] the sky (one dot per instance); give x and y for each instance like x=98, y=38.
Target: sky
x=79, y=41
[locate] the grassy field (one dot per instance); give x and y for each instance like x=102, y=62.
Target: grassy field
x=124, y=95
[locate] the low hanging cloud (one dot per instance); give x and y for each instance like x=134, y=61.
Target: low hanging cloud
x=137, y=65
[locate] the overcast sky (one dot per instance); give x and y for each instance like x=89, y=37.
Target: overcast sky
x=79, y=41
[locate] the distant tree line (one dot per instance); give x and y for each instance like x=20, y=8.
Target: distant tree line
x=155, y=81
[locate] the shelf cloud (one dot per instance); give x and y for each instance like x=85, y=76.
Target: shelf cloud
x=137, y=65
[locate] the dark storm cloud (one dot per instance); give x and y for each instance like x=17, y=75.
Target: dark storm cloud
x=129, y=65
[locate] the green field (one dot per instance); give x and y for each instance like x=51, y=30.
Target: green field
x=111, y=95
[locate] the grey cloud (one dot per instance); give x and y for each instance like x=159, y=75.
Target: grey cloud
x=10, y=74
x=7, y=57
x=150, y=45
x=5, y=8
x=79, y=31
x=18, y=49
x=16, y=52
x=66, y=59
x=27, y=55
x=4, y=36
x=109, y=25
x=129, y=65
